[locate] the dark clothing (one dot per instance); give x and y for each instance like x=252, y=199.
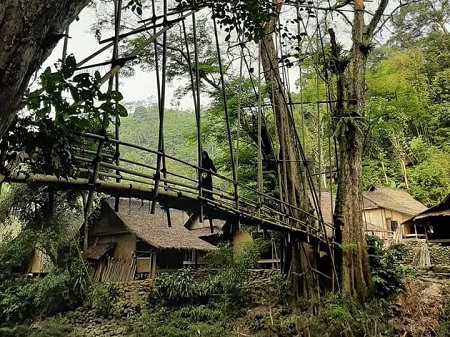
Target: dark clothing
x=208, y=166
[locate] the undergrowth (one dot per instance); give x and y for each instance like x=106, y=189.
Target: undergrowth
x=336, y=316
x=386, y=266
x=186, y=321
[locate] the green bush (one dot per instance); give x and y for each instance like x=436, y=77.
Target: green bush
x=101, y=298
x=335, y=316
x=60, y=290
x=232, y=271
x=225, y=280
x=281, y=288
x=186, y=321
x=386, y=265
x=343, y=317
x=180, y=287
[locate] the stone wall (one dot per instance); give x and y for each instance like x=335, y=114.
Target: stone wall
x=439, y=254
x=132, y=297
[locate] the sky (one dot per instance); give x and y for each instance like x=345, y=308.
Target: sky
x=82, y=43
x=141, y=86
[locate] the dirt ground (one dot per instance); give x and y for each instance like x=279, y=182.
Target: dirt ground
x=421, y=305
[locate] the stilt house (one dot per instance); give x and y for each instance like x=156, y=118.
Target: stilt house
x=433, y=224
x=133, y=243
x=387, y=208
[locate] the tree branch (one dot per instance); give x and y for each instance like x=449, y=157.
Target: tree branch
x=389, y=16
x=370, y=28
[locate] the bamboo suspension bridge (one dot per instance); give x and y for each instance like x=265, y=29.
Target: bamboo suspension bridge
x=99, y=170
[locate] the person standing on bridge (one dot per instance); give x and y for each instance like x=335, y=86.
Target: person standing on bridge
x=208, y=167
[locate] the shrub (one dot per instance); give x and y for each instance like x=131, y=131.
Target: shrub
x=179, y=287
x=226, y=279
x=187, y=321
x=280, y=288
x=232, y=271
x=386, y=267
x=60, y=290
x=336, y=316
x=342, y=316
x=102, y=297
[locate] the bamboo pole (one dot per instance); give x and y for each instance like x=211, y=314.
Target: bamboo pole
x=197, y=115
x=227, y=118
x=118, y=14
x=161, y=105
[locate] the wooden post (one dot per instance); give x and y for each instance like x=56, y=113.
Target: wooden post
x=162, y=97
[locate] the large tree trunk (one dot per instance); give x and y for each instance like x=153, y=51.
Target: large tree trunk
x=29, y=30
x=353, y=260
x=292, y=169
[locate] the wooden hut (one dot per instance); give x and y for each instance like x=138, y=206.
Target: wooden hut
x=132, y=242
x=40, y=263
x=433, y=224
x=327, y=203
x=387, y=208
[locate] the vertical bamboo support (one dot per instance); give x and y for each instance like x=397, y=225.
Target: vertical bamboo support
x=90, y=197
x=197, y=116
x=238, y=127
x=98, y=157
x=260, y=175
x=227, y=119
x=65, y=45
x=118, y=12
x=319, y=132
x=161, y=114
x=169, y=220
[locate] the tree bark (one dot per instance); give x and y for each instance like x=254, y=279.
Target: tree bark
x=292, y=168
x=352, y=259
x=29, y=31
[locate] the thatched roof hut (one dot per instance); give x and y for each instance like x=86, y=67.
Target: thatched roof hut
x=154, y=228
x=327, y=202
x=394, y=199
x=132, y=242
x=433, y=223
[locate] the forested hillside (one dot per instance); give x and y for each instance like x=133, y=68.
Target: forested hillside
x=141, y=127
x=409, y=117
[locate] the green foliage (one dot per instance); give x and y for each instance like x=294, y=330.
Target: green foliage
x=341, y=316
x=334, y=316
x=48, y=219
x=101, y=298
x=430, y=178
x=45, y=137
x=226, y=281
x=14, y=255
x=187, y=321
x=180, y=287
x=386, y=267
x=60, y=290
x=232, y=270
x=281, y=288
x=85, y=93
x=50, y=328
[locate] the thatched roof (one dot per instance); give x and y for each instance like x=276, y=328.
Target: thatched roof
x=206, y=231
x=154, y=229
x=327, y=209
x=392, y=198
x=97, y=251
x=440, y=210
x=325, y=206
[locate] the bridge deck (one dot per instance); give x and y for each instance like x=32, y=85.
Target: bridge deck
x=185, y=201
